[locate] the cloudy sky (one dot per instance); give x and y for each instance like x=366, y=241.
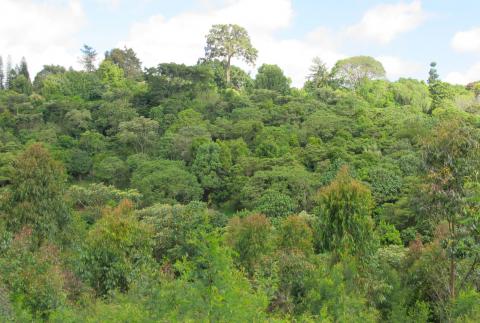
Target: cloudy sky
x=405, y=35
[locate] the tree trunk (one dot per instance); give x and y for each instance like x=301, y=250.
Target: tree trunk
x=451, y=282
x=452, y=279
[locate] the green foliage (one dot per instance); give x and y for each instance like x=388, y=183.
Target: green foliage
x=229, y=41
x=116, y=249
x=271, y=77
x=344, y=217
x=295, y=234
x=35, y=198
x=466, y=307
x=165, y=181
x=330, y=299
x=35, y=278
x=111, y=75
x=140, y=133
x=208, y=167
x=222, y=172
x=388, y=234
x=174, y=225
x=349, y=72
x=250, y=237
x=127, y=60
x=273, y=203
x=110, y=170
x=93, y=198
x=451, y=156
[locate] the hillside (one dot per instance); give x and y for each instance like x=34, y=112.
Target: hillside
x=201, y=193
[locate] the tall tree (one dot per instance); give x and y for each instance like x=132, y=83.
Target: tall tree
x=20, y=79
x=23, y=69
x=344, y=216
x=432, y=73
x=36, y=194
x=88, y=58
x=349, y=72
x=452, y=160
x=439, y=91
x=10, y=73
x=127, y=60
x=227, y=42
x=2, y=76
x=319, y=75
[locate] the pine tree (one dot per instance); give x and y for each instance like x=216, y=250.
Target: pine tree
x=2, y=76
x=89, y=56
x=23, y=69
x=433, y=74
x=10, y=73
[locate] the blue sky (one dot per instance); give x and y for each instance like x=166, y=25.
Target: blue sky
x=404, y=35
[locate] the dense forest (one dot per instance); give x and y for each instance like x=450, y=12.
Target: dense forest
x=203, y=194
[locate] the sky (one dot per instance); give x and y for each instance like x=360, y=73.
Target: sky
x=405, y=35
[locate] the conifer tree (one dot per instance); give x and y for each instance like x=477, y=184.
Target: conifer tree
x=89, y=56
x=10, y=73
x=23, y=69
x=2, y=76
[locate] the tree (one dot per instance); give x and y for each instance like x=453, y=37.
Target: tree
x=275, y=204
x=349, y=72
x=175, y=225
x=319, y=75
x=227, y=42
x=23, y=69
x=21, y=84
x=170, y=79
x=140, y=133
x=77, y=121
x=111, y=75
x=250, y=237
x=36, y=194
x=111, y=170
x=2, y=75
x=165, y=181
x=88, y=58
x=271, y=77
x=440, y=91
x=207, y=166
x=295, y=234
x=452, y=160
x=9, y=73
x=34, y=275
x=209, y=288
x=127, y=60
x=44, y=73
x=344, y=216
x=116, y=248
x=433, y=74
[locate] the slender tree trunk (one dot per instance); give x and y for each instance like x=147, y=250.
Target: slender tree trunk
x=452, y=278
x=452, y=264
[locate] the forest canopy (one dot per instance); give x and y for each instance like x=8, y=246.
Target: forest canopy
x=133, y=193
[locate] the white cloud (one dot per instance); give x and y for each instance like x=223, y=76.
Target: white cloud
x=467, y=41
x=470, y=75
x=42, y=31
x=181, y=38
x=397, y=67
x=110, y=3
x=386, y=21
